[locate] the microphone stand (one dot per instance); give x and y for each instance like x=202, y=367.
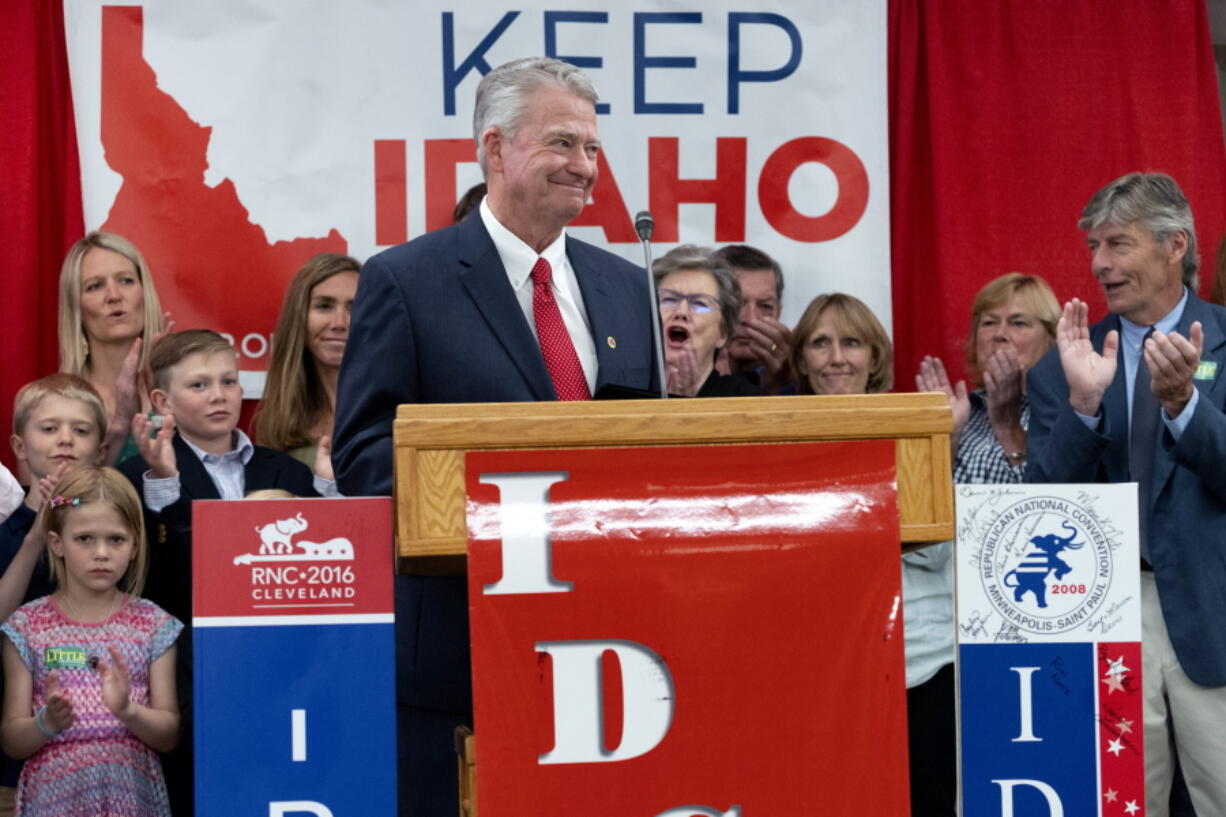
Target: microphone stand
x=644, y=225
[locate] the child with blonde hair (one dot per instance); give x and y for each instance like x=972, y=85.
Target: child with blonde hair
x=90, y=670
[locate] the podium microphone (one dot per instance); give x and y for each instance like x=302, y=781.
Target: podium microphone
x=644, y=225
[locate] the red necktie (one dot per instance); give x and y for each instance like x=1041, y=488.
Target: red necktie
x=556, y=346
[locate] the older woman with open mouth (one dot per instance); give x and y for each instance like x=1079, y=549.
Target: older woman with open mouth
x=699, y=304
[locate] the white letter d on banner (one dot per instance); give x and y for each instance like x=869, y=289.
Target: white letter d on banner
x=578, y=723
x=1054, y=807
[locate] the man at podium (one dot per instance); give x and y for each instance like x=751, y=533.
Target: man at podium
x=502, y=307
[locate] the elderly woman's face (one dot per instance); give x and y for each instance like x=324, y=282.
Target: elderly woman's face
x=835, y=362
x=112, y=300
x=690, y=313
x=1012, y=328
x=328, y=318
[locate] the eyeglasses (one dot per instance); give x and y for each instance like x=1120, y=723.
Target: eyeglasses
x=699, y=304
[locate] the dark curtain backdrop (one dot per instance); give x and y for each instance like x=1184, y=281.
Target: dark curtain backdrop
x=1004, y=118
x=40, y=191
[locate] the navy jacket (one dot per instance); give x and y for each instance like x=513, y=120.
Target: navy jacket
x=1187, y=507
x=436, y=321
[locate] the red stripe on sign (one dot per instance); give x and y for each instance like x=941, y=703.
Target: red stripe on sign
x=1121, y=734
x=391, y=193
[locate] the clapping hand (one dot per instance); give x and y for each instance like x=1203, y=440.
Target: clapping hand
x=127, y=403
x=1002, y=379
x=59, y=714
x=158, y=452
x=933, y=377
x=682, y=371
x=771, y=343
x=1172, y=360
x=131, y=386
x=1088, y=373
x=48, y=484
x=116, y=683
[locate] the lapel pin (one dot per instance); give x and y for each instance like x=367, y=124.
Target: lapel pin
x=1207, y=370
x=612, y=341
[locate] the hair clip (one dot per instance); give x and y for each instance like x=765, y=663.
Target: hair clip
x=59, y=501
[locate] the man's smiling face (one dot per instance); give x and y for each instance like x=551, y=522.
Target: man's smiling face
x=548, y=165
x=1141, y=276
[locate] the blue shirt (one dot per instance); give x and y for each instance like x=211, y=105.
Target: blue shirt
x=1132, y=336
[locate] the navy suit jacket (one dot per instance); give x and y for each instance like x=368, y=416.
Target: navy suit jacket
x=436, y=321
x=1187, y=505
x=169, y=532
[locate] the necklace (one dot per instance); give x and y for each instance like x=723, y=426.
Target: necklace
x=77, y=619
x=92, y=661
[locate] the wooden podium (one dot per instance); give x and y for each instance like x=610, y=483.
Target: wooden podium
x=431, y=441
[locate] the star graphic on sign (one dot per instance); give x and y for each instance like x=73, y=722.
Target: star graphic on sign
x=1131, y=807
x=1124, y=725
x=1114, y=684
x=1115, y=747
x=1111, y=794
x=1117, y=666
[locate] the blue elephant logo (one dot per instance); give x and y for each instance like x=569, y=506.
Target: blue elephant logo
x=1041, y=561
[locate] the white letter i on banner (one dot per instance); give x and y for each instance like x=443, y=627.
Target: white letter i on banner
x=523, y=502
x=1025, y=704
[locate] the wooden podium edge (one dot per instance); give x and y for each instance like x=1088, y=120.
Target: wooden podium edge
x=432, y=440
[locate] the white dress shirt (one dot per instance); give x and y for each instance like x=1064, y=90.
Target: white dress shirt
x=518, y=259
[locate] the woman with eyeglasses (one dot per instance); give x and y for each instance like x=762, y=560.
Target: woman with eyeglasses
x=699, y=304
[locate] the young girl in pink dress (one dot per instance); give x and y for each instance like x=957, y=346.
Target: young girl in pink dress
x=89, y=670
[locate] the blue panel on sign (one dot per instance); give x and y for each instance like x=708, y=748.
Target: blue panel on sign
x=1028, y=728
x=340, y=751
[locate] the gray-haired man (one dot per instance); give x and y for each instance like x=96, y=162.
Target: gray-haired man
x=502, y=307
x=1139, y=397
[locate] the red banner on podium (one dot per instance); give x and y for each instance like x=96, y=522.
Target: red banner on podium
x=687, y=631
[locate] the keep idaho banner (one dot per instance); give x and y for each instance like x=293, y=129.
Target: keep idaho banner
x=687, y=632
x=232, y=140
x=1049, y=652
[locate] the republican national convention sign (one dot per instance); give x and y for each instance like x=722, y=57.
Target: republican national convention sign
x=234, y=139
x=1049, y=653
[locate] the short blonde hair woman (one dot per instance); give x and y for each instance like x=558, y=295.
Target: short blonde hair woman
x=1013, y=323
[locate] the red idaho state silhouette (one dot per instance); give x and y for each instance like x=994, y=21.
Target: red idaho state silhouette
x=213, y=267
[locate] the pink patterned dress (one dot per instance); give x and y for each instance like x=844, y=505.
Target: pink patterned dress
x=96, y=766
